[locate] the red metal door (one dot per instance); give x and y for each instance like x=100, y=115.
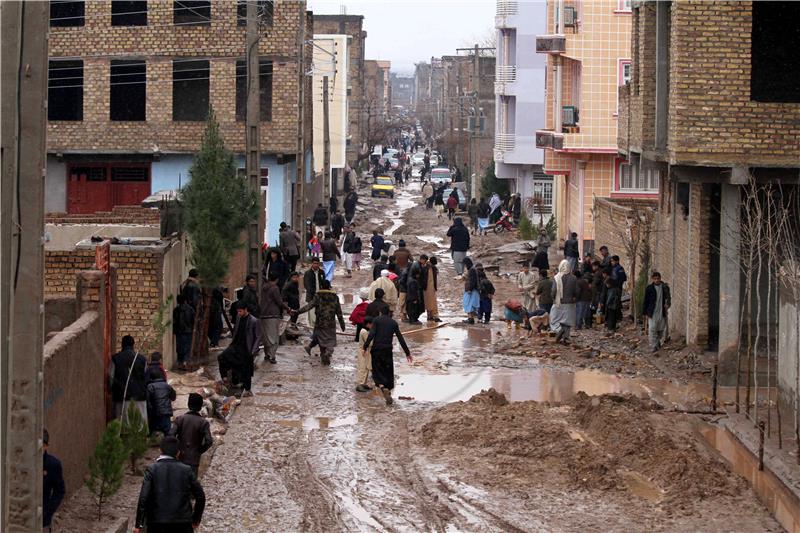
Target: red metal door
x=88, y=189
x=131, y=184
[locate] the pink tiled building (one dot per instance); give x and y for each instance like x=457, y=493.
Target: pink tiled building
x=588, y=47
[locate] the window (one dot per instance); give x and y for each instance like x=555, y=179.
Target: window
x=65, y=13
x=65, y=90
x=266, y=11
x=128, y=89
x=624, y=75
x=631, y=179
x=624, y=5
x=775, y=52
x=265, y=86
x=129, y=173
x=191, y=13
x=128, y=13
x=190, y=89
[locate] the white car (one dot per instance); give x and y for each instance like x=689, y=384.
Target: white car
x=393, y=162
x=441, y=175
x=418, y=159
x=434, y=160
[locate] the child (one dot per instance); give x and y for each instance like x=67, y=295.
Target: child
x=414, y=305
x=364, y=358
x=583, y=313
x=359, y=313
x=193, y=433
x=613, y=304
x=155, y=369
x=315, y=244
x=356, y=252
x=486, y=290
x=159, y=404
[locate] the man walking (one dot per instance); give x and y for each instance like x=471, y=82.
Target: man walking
x=526, y=283
x=571, y=252
x=165, y=504
x=472, y=297
x=350, y=203
x=236, y=361
x=330, y=252
x=328, y=309
x=126, y=376
x=53, y=488
x=193, y=433
x=320, y=219
x=312, y=282
x=290, y=246
x=182, y=328
x=190, y=289
x=272, y=307
x=428, y=280
x=459, y=244
x=348, y=248
x=376, y=241
x=657, y=300
x=381, y=334
x=565, y=294
x=389, y=290
x=249, y=297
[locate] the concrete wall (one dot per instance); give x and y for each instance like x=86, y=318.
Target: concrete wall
x=55, y=193
x=66, y=236
x=788, y=348
x=173, y=273
x=59, y=312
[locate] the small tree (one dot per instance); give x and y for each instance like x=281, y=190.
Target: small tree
x=527, y=230
x=490, y=184
x=218, y=206
x=105, y=466
x=134, y=435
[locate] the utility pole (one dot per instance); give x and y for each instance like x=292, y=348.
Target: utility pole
x=23, y=27
x=298, y=224
x=477, y=90
x=255, y=233
x=326, y=139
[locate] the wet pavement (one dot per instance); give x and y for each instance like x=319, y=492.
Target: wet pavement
x=308, y=453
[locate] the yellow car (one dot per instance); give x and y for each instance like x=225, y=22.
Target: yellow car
x=383, y=186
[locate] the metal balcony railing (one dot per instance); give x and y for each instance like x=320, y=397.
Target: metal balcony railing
x=505, y=74
x=504, y=142
x=507, y=7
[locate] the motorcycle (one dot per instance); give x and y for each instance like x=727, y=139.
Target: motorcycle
x=504, y=224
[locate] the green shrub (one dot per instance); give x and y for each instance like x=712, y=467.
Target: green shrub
x=135, y=435
x=551, y=227
x=105, y=466
x=527, y=230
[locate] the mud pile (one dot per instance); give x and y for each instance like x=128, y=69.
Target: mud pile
x=605, y=443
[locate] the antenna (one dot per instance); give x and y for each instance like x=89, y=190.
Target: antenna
x=342, y=9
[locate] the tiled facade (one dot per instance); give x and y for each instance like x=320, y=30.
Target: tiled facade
x=164, y=144
x=584, y=159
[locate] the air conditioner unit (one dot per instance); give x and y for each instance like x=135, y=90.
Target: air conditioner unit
x=544, y=139
x=569, y=115
x=570, y=16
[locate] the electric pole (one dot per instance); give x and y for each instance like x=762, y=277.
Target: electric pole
x=255, y=233
x=326, y=136
x=298, y=224
x=24, y=94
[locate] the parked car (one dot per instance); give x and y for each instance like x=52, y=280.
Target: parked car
x=418, y=159
x=434, y=160
x=383, y=187
x=441, y=175
x=462, y=197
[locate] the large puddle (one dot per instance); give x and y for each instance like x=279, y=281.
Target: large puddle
x=405, y=201
x=781, y=502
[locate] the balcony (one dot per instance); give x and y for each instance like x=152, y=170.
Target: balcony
x=503, y=143
x=503, y=76
x=551, y=44
x=505, y=9
x=549, y=139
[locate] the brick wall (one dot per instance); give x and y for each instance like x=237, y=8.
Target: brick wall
x=158, y=43
x=120, y=214
x=712, y=117
x=681, y=255
x=611, y=225
x=643, y=84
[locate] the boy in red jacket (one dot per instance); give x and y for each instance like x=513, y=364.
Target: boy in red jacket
x=359, y=313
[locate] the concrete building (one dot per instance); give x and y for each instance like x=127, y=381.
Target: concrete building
x=331, y=66
x=588, y=58
x=709, y=105
x=377, y=100
x=352, y=26
x=520, y=95
x=131, y=84
x=402, y=90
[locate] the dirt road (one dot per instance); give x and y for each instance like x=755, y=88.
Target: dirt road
x=307, y=453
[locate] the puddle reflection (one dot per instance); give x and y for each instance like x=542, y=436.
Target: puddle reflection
x=310, y=423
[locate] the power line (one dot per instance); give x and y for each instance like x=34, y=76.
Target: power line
x=155, y=81
x=168, y=54
x=145, y=11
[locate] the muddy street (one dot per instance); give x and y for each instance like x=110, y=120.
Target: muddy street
x=553, y=447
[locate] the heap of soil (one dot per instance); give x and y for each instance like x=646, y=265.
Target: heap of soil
x=590, y=443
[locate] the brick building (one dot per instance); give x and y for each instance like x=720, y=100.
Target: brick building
x=588, y=58
x=713, y=99
x=377, y=99
x=131, y=84
x=352, y=26
x=402, y=90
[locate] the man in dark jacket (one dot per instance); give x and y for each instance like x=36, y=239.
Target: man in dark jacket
x=236, y=361
x=182, y=328
x=291, y=293
x=376, y=241
x=190, y=289
x=459, y=244
x=312, y=282
x=193, y=433
x=657, y=300
x=272, y=308
x=330, y=252
x=381, y=336
x=320, y=219
x=571, y=252
x=350, y=203
x=328, y=309
x=165, y=504
x=53, y=488
x=248, y=298
x=375, y=306
x=337, y=224
x=127, y=370
x=160, y=396
x=380, y=265
x=544, y=291
x=333, y=203
x=289, y=241
x=472, y=297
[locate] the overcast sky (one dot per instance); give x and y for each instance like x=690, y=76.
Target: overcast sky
x=411, y=31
